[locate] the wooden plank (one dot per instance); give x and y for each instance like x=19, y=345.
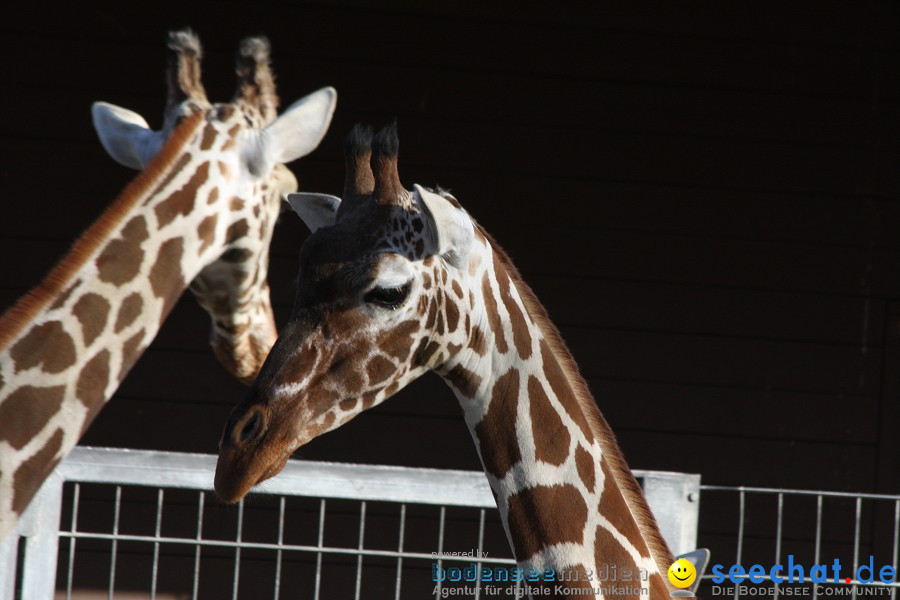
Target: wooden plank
x=694, y=210
x=747, y=415
x=887, y=462
x=742, y=264
x=707, y=310
x=775, y=463
x=889, y=414
x=755, y=364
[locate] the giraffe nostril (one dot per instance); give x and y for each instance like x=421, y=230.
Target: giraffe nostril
x=251, y=427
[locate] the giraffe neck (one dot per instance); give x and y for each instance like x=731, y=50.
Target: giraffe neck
x=68, y=344
x=566, y=497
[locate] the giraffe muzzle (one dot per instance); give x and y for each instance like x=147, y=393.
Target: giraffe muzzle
x=247, y=453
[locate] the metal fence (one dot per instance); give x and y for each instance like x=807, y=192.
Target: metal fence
x=770, y=526
x=129, y=524
x=120, y=522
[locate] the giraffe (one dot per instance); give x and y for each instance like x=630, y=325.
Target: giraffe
x=394, y=283
x=200, y=215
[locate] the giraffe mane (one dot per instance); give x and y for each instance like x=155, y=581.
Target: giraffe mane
x=26, y=309
x=629, y=486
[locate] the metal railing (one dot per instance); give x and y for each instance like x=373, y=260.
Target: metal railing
x=176, y=488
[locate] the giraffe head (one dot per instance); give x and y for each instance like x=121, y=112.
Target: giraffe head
x=383, y=296
x=241, y=149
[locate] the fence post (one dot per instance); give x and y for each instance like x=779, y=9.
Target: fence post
x=674, y=499
x=39, y=528
x=8, y=551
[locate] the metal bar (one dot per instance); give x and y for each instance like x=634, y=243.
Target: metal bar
x=359, y=558
x=778, y=536
x=818, y=539
x=39, y=528
x=896, y=543
x=478, y=550
x=400, y=551
x=440, y=562
x=115, y=542
x=74, y=528
x=299, y=478
x=740, y=538
x=280, y=543
x=9, y=559
x=675, y=499
x=197, y=546
x=856, y=539
x=155, y=569
x=319, y=547
x=795, y=492
x=275, y=547
x=237, y=551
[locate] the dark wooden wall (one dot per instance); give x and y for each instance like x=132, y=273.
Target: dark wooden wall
x=705, y=195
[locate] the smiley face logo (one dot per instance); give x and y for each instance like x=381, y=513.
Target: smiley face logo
x=682, y=573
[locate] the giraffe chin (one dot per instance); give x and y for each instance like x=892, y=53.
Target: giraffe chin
x=243, y=358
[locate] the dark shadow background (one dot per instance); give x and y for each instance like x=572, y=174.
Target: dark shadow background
x=705, y=195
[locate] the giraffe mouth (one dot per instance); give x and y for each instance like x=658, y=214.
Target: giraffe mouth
x=238, y=473
x=273, y=469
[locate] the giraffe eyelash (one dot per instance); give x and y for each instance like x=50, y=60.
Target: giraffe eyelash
x=390, y=298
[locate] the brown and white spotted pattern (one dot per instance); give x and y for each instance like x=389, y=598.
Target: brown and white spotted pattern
x=200, y=214
x=393, y=284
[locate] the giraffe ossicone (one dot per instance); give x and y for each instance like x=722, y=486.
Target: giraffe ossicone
x=394, y=283
x=200, y=215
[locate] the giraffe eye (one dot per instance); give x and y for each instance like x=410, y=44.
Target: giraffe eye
x=388, y=297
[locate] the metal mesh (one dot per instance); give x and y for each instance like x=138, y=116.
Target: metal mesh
x=768, y=526
x=175, y=543
x=129, y=524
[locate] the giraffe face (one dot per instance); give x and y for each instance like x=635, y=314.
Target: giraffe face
x=233, y=199
x=380, y=301
x=233, y=287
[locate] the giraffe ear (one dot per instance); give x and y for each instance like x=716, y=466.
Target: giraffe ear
x=448, y=227
x=316, y=210
x=295, y=133
x=125, y=135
